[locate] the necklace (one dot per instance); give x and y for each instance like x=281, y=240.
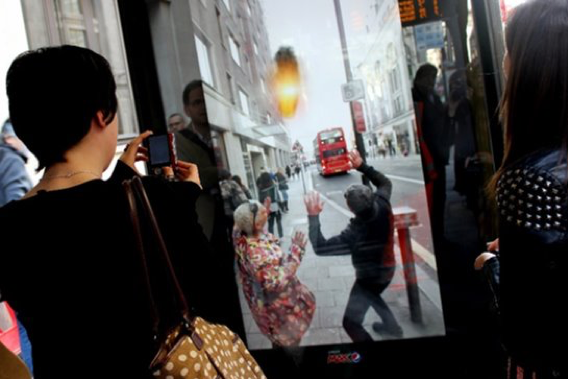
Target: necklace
x=70, y=174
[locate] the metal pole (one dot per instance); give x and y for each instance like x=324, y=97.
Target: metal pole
x=349, y=76
x=302, y=174
x=410, y=278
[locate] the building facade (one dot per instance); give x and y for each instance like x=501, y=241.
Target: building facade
x=222, y=42
x=388, y=99
x=226, y=45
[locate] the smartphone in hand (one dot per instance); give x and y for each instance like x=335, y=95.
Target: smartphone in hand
x=161, y=152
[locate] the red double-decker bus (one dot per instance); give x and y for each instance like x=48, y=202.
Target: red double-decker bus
x=331, y=152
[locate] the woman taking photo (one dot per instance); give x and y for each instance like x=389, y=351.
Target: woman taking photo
x=70, y=267
x=531, y=191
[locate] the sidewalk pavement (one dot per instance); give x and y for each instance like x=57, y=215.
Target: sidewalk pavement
x=331, y=278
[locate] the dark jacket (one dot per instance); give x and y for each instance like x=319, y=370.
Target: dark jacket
x=76, y=283
x=533, y=215
x=190, y=148
x=435, y=129
x=368, y=238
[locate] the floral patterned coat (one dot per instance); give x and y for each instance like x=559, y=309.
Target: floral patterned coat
x=281, y=306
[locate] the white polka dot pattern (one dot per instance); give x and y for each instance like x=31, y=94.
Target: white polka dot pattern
x=217, y=354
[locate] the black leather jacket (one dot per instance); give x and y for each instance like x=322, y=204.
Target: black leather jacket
x=533, y=291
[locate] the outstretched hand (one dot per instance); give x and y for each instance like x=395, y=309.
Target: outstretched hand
x=135, y=152
x=313, y=203
x=300, y=240
x=355, y=159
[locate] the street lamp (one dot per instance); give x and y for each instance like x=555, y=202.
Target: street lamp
x=349, y=76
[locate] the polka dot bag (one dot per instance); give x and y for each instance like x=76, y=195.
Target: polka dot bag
x=195, y=349
x=210, y=351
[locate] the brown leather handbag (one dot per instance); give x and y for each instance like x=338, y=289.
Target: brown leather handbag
x=194, y=348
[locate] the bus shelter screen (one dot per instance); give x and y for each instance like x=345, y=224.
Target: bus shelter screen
x=347, y=283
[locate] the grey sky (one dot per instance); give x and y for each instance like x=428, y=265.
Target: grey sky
x=310, y=27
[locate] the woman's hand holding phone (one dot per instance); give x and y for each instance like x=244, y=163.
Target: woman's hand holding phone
x=135, y=152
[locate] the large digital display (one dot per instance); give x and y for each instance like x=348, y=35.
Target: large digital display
x=413, y=12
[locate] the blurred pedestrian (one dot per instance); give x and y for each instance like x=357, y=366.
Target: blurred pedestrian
x=244, y=188
x=14, y=184
x=232, y=195
x=14, y=179
x=267, y=188
x=434, y=137
x=282, y=182
x=176, y=122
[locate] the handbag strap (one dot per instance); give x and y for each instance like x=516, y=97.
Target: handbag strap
x=137, y=197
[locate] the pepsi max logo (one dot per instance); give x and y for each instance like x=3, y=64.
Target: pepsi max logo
x=335, y=358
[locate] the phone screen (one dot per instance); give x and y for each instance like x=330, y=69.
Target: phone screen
x=159, y=153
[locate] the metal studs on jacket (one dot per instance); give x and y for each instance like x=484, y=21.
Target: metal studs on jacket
x=532, y=199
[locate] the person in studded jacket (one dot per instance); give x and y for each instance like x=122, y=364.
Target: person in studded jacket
x=530, y=274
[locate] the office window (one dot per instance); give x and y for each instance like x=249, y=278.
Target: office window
x=204, y=61
x=77, y=37
x=243, y=97
x=230, y=84
x=71, y=7
x=234, y=50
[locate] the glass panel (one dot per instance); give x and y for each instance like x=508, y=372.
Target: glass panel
x=309, y=91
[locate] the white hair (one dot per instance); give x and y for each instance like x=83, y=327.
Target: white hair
x=244, y=217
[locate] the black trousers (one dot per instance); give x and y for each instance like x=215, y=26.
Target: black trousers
x=366, y=293
x=278, y=217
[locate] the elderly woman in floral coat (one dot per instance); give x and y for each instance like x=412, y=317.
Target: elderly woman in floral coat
x=281, y=306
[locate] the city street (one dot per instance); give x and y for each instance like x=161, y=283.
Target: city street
x=331, y=278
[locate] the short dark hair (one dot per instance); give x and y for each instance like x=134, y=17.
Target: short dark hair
x=194, y=84
x=54, y=93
